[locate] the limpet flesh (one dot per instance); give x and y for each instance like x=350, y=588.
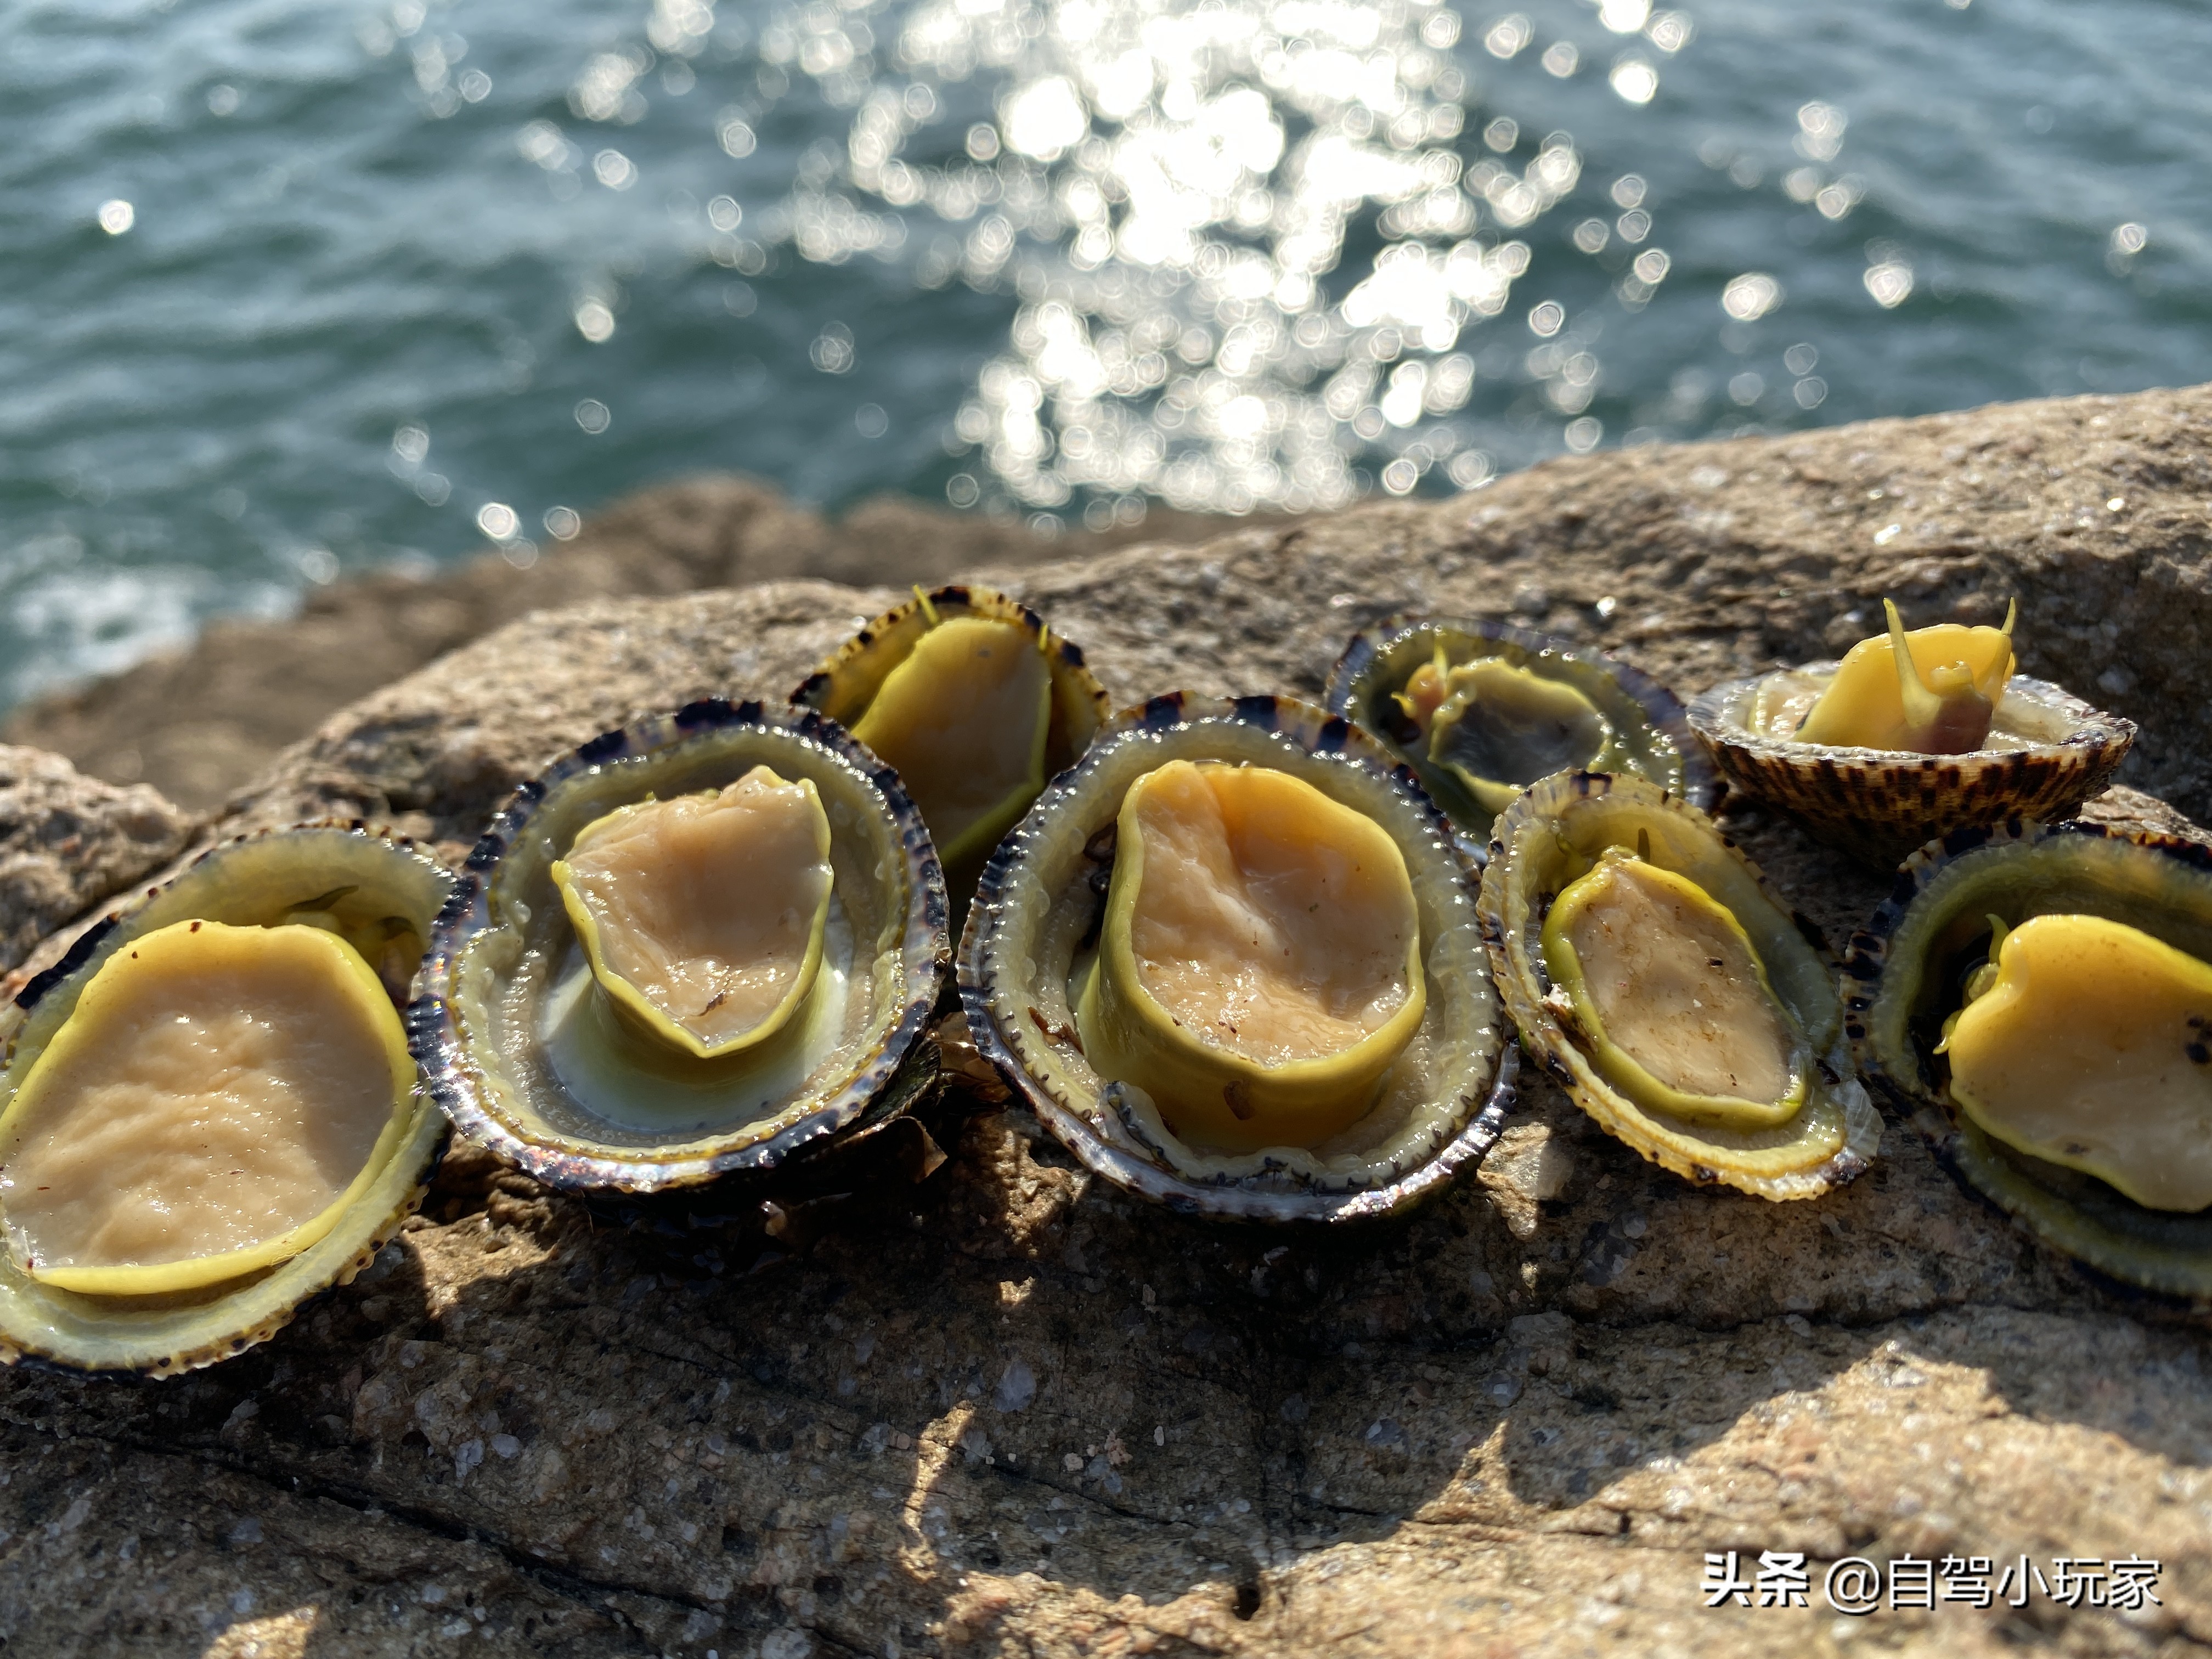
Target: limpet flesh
x=1672, y=994
x=209, y=1113
x=1911, y=736
x=2037, y=1001
x=703, y=917
x=1259, y=965
x=642, y=886
x=974, y=702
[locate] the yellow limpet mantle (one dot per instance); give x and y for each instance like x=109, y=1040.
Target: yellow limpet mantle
x=1933, y=691
x=1499, y=728
x=1670, y=994
x=963, y=721
x=2088, y=1048
x=1259, y=960
x=216, y=1099
x=703, y=916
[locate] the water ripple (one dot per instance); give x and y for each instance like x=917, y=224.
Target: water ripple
x=286, y=292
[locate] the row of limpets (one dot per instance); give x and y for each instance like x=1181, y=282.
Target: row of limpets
x=1251, y=958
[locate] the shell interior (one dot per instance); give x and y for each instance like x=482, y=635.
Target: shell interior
x=1905, y=975
x=526, y=1054
x=1555, y=833
x=1648, y=733
x=1034, y=928
x=246, y=883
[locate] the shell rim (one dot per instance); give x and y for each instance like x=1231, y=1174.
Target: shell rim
x=426, y=1144
x=1223, y=1199
x=36, y=988
x=1702, y=782
x=1936, y=1120
x=434, y=1036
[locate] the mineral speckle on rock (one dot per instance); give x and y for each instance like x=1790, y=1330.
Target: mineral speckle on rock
x=999, y=1407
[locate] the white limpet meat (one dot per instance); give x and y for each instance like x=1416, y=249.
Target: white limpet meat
x=1233, y=964
x=215, y=1098
x=1259, y=958
x=1677, y=987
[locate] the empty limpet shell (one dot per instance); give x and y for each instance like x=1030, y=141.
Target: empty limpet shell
x=1912, y=735
x=688, y=842
x=1259, y=967
x=1672, y=994
x=1480, y=710
x=703, y=916
x=974, y=702
x=1498, y=728
x=213, y=1088
x=2037, y=1001
x=1231, y=961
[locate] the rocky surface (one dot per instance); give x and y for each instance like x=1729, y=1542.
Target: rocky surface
x=1002, y=1409
x=68, y=841
x=199, y=722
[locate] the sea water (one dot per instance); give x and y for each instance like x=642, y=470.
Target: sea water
x=290, y=289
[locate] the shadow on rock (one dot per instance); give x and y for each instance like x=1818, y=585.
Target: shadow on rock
x=902, y=1406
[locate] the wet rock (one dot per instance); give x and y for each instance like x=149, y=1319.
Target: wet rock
x=993, y=1405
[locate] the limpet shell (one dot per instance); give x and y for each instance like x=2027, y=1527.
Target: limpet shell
x=250, y=881
x=1648, y=721
x=1038, y=899
x=1566, y=822
x=1878, y=804
x=1903, y=967
x=503, y=954
x=845, y=686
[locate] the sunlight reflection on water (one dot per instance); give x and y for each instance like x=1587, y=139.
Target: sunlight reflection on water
x=1166, y=187
x=295, y=293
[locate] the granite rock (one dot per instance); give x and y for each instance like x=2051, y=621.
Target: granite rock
x=1000, y=1408
x=68, y=841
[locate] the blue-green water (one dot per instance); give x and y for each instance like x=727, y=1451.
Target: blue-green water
x=390, y=281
